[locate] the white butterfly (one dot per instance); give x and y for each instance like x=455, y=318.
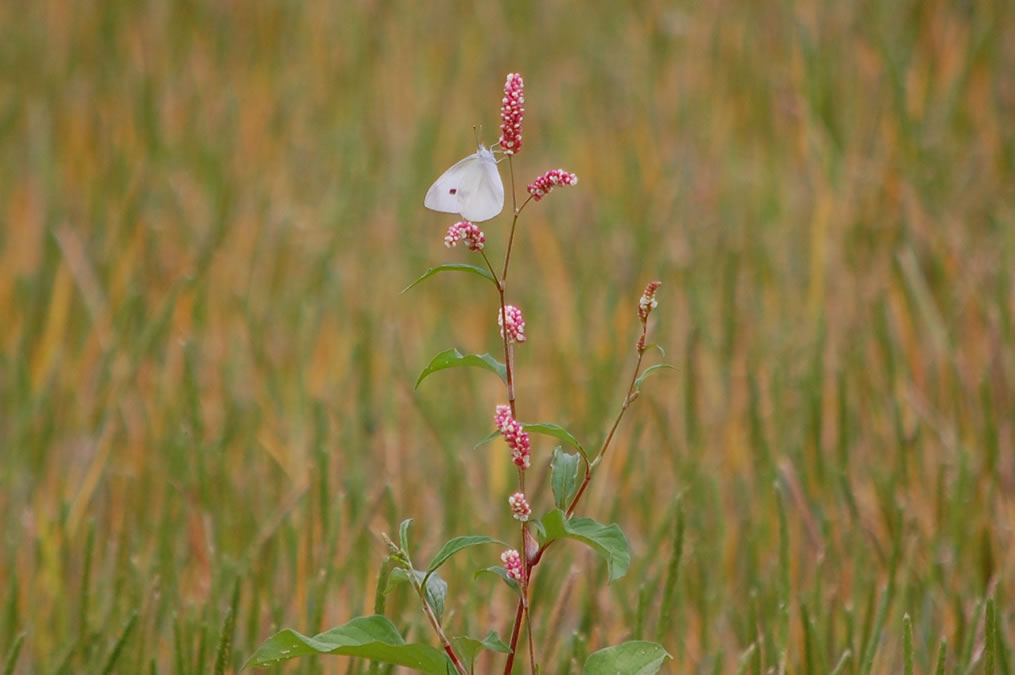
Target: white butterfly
x=472, y=187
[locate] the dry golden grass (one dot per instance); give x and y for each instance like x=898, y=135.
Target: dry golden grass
x=206, y=368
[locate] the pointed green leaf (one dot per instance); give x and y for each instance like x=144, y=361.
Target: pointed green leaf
x=453, y=358
x=607, y=540
x=557, y=431
x=489, y=437
x=436, y=591
x=368, y=637
x=468, y=647
x=546, y=429
x=563, y=477
x=452, y=267
x=540, y=531
x=436, y=588
x=396, y=578
x=499, y=572
x=637, y=657
x=403, y=535
x=457, y=544
x=493, y=642
x=649, y=371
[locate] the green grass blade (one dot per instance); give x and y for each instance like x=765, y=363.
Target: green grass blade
x=942, y=658
x=120, y=642
x=225, y=645
x=672, y=575
x=12, y=654
x=907, y=644
x=990, y=633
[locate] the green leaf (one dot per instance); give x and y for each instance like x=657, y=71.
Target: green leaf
x=607, y=540
x=493, y=642
x=655, y=346
x=367, y=637
x=637, y=657
x=453, y=358
x=557, y=431
x=649, y=371
x=436, y=588
x=403, y=535
x=540, y=531
x=458, y=544
x=492, y=435
x=468, y=648
x=453, y=267
x=563, y=477
x=499, y=572
x=436, y=591
x=546, y=429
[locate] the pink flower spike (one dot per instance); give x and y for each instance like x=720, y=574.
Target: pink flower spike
x=515, y=436
x=512, y=563
x=648, y=301
x=520, y=506
x=511, y=113
x=541, y=187
x=515, y=323
x=464, y=230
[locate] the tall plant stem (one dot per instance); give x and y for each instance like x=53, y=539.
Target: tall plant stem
x=448, y=648
x=431, y=617
x=628, y=398
x=522, y=609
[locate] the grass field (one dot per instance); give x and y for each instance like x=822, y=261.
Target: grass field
x=206, y=368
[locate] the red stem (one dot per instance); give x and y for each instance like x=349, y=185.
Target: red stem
x=529, y=565
x=523, y=605
x=616, y=424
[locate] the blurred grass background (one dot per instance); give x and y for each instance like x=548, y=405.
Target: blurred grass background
x=206, y=368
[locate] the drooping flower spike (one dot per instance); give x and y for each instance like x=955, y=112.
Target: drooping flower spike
x=512, y=563
x=541, y=187
x=515, y=436
x=511, y=113
x=648, y=301
x=464, y=230
x=520, y=508
x=514, y=323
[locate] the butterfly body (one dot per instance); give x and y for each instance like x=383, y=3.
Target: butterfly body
x=471, y=188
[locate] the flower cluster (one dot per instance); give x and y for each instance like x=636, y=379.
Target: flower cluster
x=511, y=112
x=512, y=563
x=541, y=187
x=473, y=236
x=514, y=324
x=648, y=301
x=520, y=506
x=517, y=438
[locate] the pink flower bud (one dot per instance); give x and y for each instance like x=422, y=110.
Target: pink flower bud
x=512, y=563
x=515, y=436
x=648, y=301
x=511, y=113
x=473, y=236
x=519, y=506
x=515, y=324
x=541, y=187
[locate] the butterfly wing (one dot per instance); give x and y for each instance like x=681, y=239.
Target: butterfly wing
x=443, y=194
x=486, y=200
x=472, y=188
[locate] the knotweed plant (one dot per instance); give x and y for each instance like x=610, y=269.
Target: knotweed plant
x=474, y=186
